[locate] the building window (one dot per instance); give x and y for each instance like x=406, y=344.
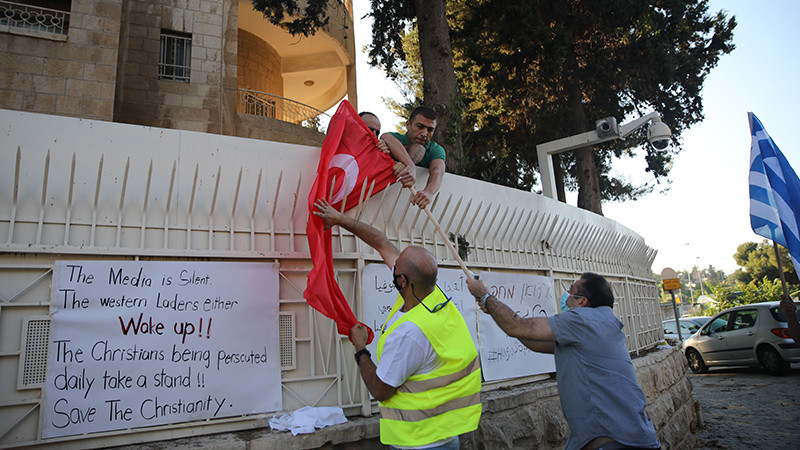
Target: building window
x=35, y=18
x=175, y=56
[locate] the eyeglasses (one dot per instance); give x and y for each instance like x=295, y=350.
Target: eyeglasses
x=435, y=308
x=576, y=297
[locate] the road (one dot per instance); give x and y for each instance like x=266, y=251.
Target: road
x=745, y=408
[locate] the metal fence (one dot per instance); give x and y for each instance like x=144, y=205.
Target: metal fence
x=275, y=107
x=81, y=189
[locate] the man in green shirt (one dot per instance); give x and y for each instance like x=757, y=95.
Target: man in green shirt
x=416, y=148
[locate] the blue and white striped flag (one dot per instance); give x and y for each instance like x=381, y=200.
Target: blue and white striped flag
x=774, y=193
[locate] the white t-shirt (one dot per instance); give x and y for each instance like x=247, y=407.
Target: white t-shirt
x=406, y=352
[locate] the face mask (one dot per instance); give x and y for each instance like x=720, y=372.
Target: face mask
x=394, y=280
x=564, y=298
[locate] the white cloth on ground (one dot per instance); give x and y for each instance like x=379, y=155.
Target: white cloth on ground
x=307, y=419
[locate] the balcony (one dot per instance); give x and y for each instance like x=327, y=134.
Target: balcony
x=29, y=20
x=317, y=70
x=275, y=107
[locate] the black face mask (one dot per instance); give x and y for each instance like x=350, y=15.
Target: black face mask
x=395, y=278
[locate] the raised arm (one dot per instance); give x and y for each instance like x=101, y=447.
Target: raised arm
x=435, y=175
x=535, y=333
x=366, y=233
x=407, y=176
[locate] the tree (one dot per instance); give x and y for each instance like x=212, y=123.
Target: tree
x=409, y=81
x=758, y=261
x=691, y=282
x=306, y=22
x=539, y=70
x=392, y=20
x=763, y=290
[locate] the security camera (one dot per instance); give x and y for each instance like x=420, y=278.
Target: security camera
x=607, y=127
x=659, y=135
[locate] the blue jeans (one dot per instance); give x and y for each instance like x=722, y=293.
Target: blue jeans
x=451, y=445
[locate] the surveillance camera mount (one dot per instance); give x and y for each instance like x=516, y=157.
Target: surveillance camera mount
x=658, y=136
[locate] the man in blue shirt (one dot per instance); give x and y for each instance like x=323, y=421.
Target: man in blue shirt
x=601, y=399
x=416, y=148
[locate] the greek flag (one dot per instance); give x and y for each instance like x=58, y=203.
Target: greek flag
x=774, y=192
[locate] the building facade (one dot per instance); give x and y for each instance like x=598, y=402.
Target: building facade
x=210, y=66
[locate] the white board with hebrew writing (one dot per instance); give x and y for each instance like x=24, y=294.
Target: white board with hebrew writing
x=142, y=343
x=529, y=296
x=380, y=295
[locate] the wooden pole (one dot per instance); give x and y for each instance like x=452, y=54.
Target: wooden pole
x=446, y=239
x=780, y=267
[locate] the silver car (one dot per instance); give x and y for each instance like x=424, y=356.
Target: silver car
x=689, y=325
x=746, y=335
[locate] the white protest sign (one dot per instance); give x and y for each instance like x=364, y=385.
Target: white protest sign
x=142, y=343
x=529, y=296
x=380, y=295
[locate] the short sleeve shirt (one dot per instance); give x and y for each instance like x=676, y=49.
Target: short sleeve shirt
x=432, y=150
x=406, y=352
x=597, y=384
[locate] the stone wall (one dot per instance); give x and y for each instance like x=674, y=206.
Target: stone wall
x=259, y=65
x=208, y=102
x=527, y=416
x=268, y=129
x=70, y=75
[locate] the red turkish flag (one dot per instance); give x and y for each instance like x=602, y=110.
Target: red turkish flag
x=349, y=154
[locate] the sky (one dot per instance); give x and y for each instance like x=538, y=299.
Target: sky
x=704, y=215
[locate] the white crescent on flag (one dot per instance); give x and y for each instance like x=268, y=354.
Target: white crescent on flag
x=350, y=167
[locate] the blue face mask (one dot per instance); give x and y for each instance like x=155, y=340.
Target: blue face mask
x=564, y=298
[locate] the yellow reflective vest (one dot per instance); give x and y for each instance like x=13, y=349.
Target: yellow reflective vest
x=446, y=402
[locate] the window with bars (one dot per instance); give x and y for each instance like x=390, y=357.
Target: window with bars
x=175, y=56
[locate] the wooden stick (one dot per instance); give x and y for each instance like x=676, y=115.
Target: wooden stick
x=780, y=267
x=444, y=236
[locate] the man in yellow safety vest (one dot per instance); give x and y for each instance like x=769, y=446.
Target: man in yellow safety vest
x=428, y=376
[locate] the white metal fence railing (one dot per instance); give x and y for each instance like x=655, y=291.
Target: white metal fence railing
x=80, y=189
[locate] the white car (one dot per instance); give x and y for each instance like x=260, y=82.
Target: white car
x=689, y=326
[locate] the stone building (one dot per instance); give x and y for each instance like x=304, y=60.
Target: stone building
x=213, y=66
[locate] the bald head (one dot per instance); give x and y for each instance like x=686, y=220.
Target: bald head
x=372, y=122
x=419, y=266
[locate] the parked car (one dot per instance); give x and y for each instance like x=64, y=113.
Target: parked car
x=689, y=325
x=746, y=335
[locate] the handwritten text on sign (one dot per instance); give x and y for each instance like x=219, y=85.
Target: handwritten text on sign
x=137, y=344
x=501, y=356
x=529, y=296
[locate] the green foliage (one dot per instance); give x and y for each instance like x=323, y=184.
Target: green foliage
x=391, y=19
x=314, y=123
x=535, y=71
x=730, y=295
x=758, y=261
x=408, y=80
x=307, y=22
x=694, y=283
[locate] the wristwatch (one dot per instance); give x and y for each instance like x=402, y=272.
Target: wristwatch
x=363, y=351
x=483, y=299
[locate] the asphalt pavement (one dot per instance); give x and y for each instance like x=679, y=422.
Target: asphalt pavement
x=747, y=408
